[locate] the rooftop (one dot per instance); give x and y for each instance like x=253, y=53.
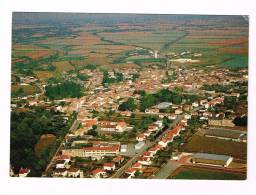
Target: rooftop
x=212, y=156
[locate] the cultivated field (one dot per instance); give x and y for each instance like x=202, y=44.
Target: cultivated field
x=216, y=146
x=206, y=174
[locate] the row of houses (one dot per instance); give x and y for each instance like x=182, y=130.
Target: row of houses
x=169, y=136
x=146, y=158
x=152, y=128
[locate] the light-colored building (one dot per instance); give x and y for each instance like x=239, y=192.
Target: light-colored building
x=212, y=159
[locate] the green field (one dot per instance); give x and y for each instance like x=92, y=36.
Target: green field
x=190, y=173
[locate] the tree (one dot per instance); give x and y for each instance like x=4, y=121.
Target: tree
x=66, y=89
x=241, y=121
x=147, y=101
x=128, y=105
x=92, y=132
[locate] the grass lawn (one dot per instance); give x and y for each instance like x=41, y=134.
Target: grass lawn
x=190, y=173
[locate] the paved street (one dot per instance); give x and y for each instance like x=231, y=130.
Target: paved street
x=167, y=169
x=132, y=160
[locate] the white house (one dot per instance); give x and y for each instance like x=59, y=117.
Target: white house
x=195, y=104
x=99, y=173
x=73, y=172
x=109, y=166
x=141, y=137
x=60, y=173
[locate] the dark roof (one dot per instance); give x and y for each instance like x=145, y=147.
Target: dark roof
x=207, y=156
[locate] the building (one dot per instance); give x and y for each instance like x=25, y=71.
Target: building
x=221, y=122
x=212, y=159
x=94, y=151
x=112, y=127
x=24, y=172
x=60, y=173
x=118, y=160
x=99, y=173
x=123, y=148
x=74, y=172
x=139, y=145
x=109, y=166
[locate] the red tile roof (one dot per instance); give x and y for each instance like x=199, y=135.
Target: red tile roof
x=96, y=171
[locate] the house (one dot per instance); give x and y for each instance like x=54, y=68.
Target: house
x=109, y=166
x=137, y=166
x=172, y=117
x=144, y=160
x=153, y=128
x=61, y=164
x=60, y=173
x=187, y=116
x=147, y=154
x=155, y=149
x=23, y=172
x=131, y=172
x=121, y=126
x=118, y=160
x=140, y=137
x=195, y=104
x=99, y=173
x=74, y=172
x=159, y=123
x=147, y=133
x=88, y=123
x=164, y=142
x=212, y=159
x=178, y=111
x=112, y=127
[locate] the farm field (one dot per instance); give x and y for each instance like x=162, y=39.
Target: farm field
x=206, y=174
x=216, y=146
x=219, y=44
x=27, y=89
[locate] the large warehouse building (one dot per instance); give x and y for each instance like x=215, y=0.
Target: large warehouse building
x=212, y=159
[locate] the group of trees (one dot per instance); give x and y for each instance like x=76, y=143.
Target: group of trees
x=241, y=121
x=26, y=129
x=118, y=77
x=216, y=87
x=128, y=105
x=143, y=123
x=67, y=89
x=163, y=95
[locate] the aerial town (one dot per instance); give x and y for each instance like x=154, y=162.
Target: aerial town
x=129, y=96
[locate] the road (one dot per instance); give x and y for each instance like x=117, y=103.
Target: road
x=121, y=170
x=167, y=169
x=147, y=145
x=73, y=127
